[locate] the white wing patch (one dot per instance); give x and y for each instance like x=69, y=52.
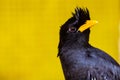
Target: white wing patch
x=94, y=78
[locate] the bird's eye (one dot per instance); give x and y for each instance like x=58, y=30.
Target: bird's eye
x=72, y=29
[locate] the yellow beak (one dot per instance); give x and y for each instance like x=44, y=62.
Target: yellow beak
x=88, y=24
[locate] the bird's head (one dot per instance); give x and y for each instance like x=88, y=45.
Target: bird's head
x=77, y=27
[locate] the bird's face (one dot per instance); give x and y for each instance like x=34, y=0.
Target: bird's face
x=77, y=26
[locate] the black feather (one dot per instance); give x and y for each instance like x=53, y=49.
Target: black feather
x=79, y=18
x=80, y=60
x=81, y=15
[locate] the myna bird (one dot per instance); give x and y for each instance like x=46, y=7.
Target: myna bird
x=80, y=60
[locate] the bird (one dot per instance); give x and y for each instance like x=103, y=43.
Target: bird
x=79, y=59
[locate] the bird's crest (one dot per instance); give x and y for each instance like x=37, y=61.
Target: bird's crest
x=81, y=15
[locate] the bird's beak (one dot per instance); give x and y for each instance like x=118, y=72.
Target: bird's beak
x=88, y=24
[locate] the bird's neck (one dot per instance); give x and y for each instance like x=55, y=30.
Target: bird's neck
x=72, y=44
x=75, y=42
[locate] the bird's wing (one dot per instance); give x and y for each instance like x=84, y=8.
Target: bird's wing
x=108, y=70
x=102, y=74
x=100, y=66
x=103, y=55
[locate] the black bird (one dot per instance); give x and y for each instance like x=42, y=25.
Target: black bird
x=80, y=60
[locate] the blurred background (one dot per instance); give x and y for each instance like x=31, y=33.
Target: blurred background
x=29, y=35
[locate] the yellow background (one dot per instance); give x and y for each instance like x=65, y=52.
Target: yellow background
x=29, y=35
